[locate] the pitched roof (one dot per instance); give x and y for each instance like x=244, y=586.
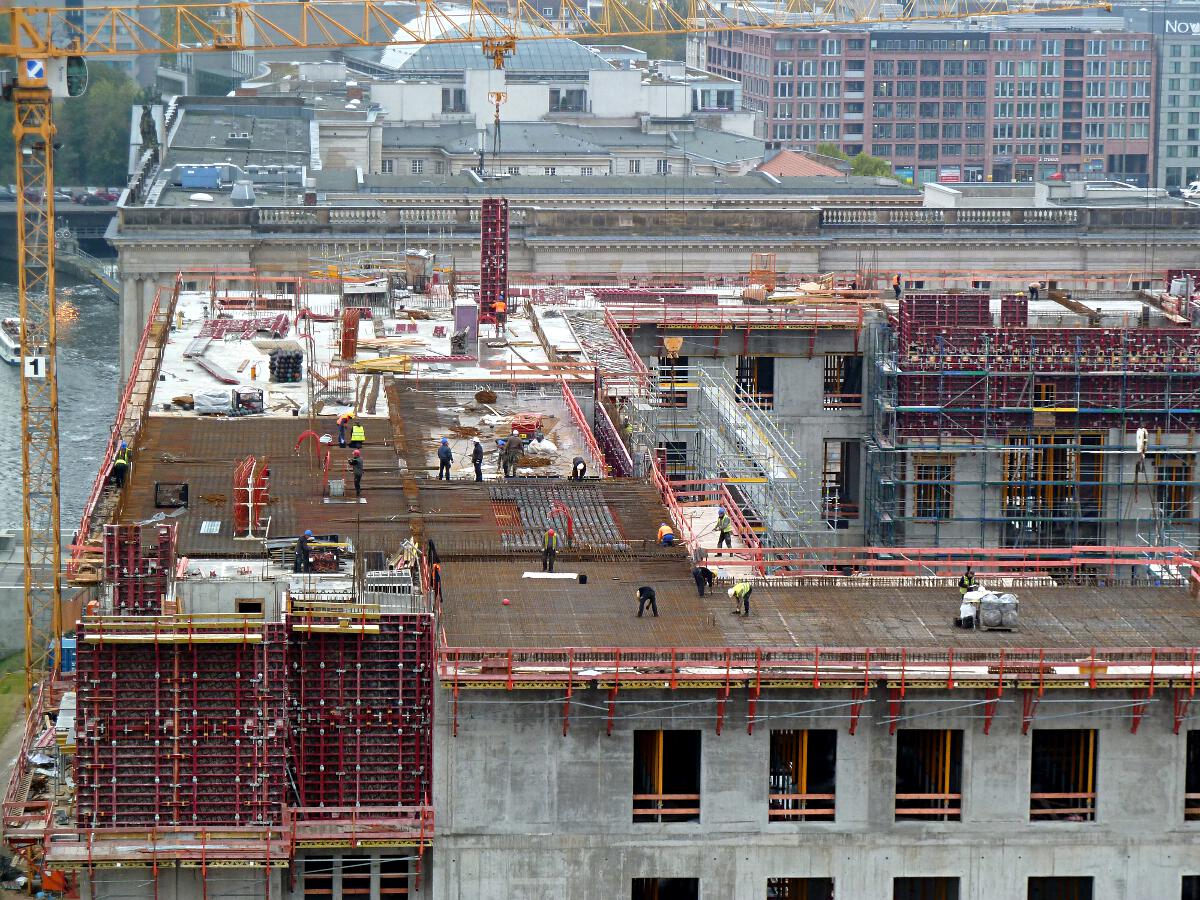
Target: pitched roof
x=789, y=162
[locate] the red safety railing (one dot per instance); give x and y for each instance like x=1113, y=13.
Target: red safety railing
x=682, y=525
x=351, y=825
x=673, y=667
x=714, y=492
x=585, y=429
x=832, y=315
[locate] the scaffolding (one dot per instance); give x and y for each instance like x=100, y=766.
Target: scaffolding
x=701, y=425
x=1021, y=436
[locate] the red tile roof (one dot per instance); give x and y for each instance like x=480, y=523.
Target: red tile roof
x=788, y=163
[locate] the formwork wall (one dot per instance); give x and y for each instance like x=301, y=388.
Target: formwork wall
x=361, y=712
x=180, y=734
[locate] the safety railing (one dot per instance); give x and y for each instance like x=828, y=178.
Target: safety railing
x=314, y=615
x=666, y=807
x=797, y=808
x=665, y=315
x=929, y=806
x=681, y=522
x=255, y=845
x=585, y=430
x=1069, y=805
x=679, y=667
x=350, y=826
x=179, y=628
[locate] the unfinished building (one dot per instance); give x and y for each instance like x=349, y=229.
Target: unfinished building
x=422, y=704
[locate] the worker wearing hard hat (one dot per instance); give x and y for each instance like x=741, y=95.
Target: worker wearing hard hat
x=477, y=458
x=303, y=561
x=549, y=550
x=120, y=464
x=740, y=595
x=445, y=457
x=724, y=529
x=666, y=536
x=355, y=465
x=343, y=422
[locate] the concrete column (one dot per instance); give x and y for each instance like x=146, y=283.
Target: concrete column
x=131, y=322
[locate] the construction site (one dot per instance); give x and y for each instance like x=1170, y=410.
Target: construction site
x=407, y=703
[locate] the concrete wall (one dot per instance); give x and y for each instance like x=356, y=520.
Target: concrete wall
x=525, y=812
x=183, y=883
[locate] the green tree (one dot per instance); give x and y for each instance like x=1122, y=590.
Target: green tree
x=832, y=150
x=865, y=164
x=656, y=46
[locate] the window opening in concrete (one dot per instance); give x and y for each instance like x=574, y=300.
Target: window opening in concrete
x=933, y=485
x=1060, y=887
x=1045, y=395
x=929, y=774
x=803, y=775
x=839, y=480
x=756, y=377
x=1191, y=805
x=843, y=381
x=1172, y=482
x=356, y=876
x=250, y=606
x=666, y=776
x=939, y=887
x=318, y=876
x=1052, y=480
x=393, y=878
x=675, y=457
x=1063, y=775
x=666, y=889
x=670, y=371
x=799, y=889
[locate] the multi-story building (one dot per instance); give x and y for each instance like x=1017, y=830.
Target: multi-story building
x=1042, y=99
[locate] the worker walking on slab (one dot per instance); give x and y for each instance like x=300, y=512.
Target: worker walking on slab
x=445, y=457
x=704, y=577
x=724, y=529
x=500, y=310
x=549, y=550
x=647, y=597
x=511, y=456
x=966, y=583
x=477, y=458
x=358, y=436
x=303, y=562
x=896, y=281
x=666, y=535
x=343, y=422
x=120, y=465
x=578, y=468
x=740, y=595
x=355, y=465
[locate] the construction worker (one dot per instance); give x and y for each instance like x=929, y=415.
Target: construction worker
x=303, y=561
x=120, y=464
x=666, y=536
x=435, y=572
x=647, y=597
x=92, y=608
x=1034, y=288
x=740, y=594
x=549, y=550
x=513, y=451
x=477, y=458
x=578, y=468
x=501, y=312
x=343, y=422
x=704, y=577
x=724, y=529
x=358, y=435
x=445, y=457
x=896, y=280
x=355, y=465
x=966, y=584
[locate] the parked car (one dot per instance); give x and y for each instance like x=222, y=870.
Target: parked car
x=1192, y=191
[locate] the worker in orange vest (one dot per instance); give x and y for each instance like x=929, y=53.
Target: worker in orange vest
x=501, y=311
x=896, y=284
x=343, y=422
x=666, y=535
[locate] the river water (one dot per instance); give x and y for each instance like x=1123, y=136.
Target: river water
x=87, y=397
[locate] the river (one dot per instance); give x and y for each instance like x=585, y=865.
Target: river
x=87, y=396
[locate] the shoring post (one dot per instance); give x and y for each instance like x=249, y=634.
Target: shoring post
x=1029, y=705
x=1153, y=658
x=724, y=695
x=950, y=668
x=903, y=672
x=570, y=685
x=674, y=671
x=816, y=682
x=1183, y=701
x=860, y=695
x=992, y=697
x=895, y=702
x=1092, y=671
x=1139, y=709
x=752, y=704
x=454, y=715
x=510, y=665
x=612, y=693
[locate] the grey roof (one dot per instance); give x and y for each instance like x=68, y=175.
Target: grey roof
x=275, y=139
x=550, y=55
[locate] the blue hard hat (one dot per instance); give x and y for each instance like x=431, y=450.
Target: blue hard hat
x=444, y=441
x=123, y=445
x=500, y=443
x=308, y=533
x=720, y=510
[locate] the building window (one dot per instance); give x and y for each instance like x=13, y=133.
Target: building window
x=1060, y=887
x=843, y=381
x=513, y=170
x=318, y=876
x=439, y=167
x=799, y=889
x=386, y=166
x=662, y=167
x=416, y=167
x=454, y=100
x=839, y=480
x=635, y=167
x=670, y=371
x=1191, y=887
x=1172, y=482
x=666, y=889
x=932, y=888
x=666, y=776
x=756, y=380
x=803, y=775
x=933, y=488
x=1062, y=785
x=929, y=775
x=1191, y=784
x=585, y=170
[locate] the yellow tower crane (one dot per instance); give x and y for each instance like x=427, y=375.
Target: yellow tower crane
x=50, y=45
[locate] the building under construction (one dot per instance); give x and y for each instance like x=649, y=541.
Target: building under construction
x=421, y=709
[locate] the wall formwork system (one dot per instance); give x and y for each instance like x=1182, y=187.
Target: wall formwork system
x=1027, y=436
x=493, y=257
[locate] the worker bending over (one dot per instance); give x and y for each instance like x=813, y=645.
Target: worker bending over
x=724, y=529
x=704, y=577
x=740, y=594
x=549, y=550
x=445, y=457
x=303, y=561
x=578, y=468
x=647, y=597
x=343, y=422
x=355, y=465
x=666, y=536
x=120, y=465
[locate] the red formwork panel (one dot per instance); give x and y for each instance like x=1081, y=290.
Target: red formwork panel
x=361, y=712
x=181, y=734
x=139, y=580
x=1014, y=311
x=493, y=257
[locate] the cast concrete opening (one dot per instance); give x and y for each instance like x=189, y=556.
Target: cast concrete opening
x=666, y=889
x=1061, y=887
x=843, y=381
x=803, y=776
x=250, y=606
x=1063, y=775
x=938, y=887
x=666, y=776
x=756, y=377
x=1191, y=805
x=929, y=774
x=1191, y=888
x=393, y=878
x=799, y=889
x=356, y=876
x=318, y=876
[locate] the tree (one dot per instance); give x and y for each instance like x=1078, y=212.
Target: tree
x=657, y=46
x=862, y=164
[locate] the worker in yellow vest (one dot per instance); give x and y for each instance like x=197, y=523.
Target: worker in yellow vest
x=358, y=435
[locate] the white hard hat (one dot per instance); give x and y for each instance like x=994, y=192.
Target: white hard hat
x=730, y=592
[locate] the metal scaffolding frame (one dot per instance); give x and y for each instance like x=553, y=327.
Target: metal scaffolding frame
x=729, y=437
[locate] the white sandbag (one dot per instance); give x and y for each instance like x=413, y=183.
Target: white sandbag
x=216, y=401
